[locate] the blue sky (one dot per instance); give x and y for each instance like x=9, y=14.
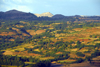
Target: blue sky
x=65, y=7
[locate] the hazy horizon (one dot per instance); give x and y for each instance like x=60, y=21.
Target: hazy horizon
x=64, y=7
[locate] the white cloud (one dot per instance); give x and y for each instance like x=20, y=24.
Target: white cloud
x=21, y=5
x=24, y=8
x=20, y=8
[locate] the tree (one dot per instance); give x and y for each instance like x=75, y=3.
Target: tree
x=97, y=45
x=88, y=58
x=79, y=60
x=80, y=54
x=30, y=59
x=78, y=42
x=99, y=39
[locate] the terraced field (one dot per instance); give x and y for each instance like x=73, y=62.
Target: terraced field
x=60, y=43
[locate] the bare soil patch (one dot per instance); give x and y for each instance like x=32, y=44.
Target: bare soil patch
x=7, y=52
x=11, y=39
x=33, y=32
x=40, y=31
x=25, y=53
x=78, y=29
x=7, y=33
x=59, y=53
x=74, y=49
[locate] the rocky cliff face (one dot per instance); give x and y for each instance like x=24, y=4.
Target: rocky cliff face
x=46, y=14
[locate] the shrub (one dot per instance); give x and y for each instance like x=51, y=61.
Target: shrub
x=87, y=51
x=88, y=58
x=36, y=47
x=42, y=64
x=96, y=53
x=79, y=60
x=36, y=52
x=80, y=54
x=16, y=50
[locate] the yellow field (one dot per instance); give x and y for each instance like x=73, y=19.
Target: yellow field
x=59, y=53
x=83, y=49
x=37, y=50
x=9, y=66
x=29, y=63
x=66, y=60
x=21, y=47
x=46, y=58
x=33, y=32
x=74, y=49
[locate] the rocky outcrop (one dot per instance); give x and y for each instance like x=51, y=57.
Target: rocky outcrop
x=46, y=14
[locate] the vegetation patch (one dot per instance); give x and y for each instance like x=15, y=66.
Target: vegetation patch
x=80, y=54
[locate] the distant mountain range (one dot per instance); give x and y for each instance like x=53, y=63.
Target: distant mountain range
x=19, y=15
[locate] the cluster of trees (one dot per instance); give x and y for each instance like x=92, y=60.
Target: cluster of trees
x=5, y=43
x=97, y=45
x=42, y=64
x=19, y=61
x=31, y=50
x=11, y=60
x=57, y=56
x=96, y=53
x=30, y=25
x=60, y=45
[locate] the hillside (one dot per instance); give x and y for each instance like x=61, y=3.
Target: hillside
x=14, y=14
x=58, y=16
x=19, y=15
x=34, y=43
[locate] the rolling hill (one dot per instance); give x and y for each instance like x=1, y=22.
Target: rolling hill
x=30, y=41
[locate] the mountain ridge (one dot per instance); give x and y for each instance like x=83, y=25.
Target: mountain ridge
x=15, y=14
x=14, y=11
x=19, y=15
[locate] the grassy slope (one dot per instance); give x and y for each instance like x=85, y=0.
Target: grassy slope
x=81, y=34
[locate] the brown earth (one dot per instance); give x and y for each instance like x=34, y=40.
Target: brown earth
x=7, y=33
x=83, y=36
x=33, y=32
x=24, y=53
x=59, y=53
x=23, y=22
x=24, y=34
x=16, y=29
x=40, y=31
x=78, y=29
x=7, y=52
x=20, y=26
x=11, y=39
